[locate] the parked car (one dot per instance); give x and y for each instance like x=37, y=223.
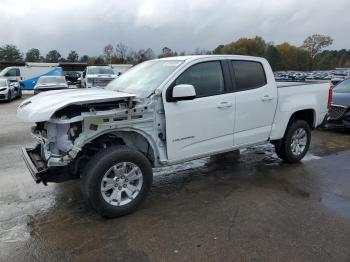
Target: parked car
x=28, y=75
x=49, y=83
x=9, y=90
x=164, y=112
x=97, y=76
x=339, y=113
x=338, y=77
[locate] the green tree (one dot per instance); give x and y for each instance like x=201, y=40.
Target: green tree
x=33, y=55
x=274, y=57
x=84, y=58
x=73, y=56
x=10, y=53
x=53, y=56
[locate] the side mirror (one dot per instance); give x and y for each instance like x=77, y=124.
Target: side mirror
x=183, y=92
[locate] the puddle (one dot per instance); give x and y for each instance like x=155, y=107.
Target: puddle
x=338, y=203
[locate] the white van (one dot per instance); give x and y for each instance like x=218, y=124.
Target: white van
x=28, y=75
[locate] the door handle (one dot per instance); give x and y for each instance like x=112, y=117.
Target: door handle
x=224, y=105
x=266, y=98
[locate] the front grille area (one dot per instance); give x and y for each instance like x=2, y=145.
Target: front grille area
x=336, y=112
x=100, y=82
x=2, y=96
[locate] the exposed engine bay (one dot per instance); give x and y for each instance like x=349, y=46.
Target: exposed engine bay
x=78, y=131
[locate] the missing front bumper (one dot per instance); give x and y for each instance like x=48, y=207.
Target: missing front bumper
x=40, y=172
x=35, y=164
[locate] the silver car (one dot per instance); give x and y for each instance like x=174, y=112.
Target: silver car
x=48, y=83
x=9, y=90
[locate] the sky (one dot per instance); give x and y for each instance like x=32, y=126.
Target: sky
x=182, y=25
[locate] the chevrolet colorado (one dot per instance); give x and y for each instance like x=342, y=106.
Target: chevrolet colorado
x=163, y=112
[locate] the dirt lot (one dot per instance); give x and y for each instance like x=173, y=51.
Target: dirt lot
x=252, y=208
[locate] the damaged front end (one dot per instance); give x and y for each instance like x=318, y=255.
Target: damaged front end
x=76, y=132
x=51, y=159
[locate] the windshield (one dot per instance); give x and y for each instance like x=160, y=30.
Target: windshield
x=342, y=87
x=2, y=82
x=52, y=80
x=144, y=78
x=100, y=70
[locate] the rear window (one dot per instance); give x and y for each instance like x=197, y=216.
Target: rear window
x=52, y=80
x=342, y=87
x=248, y=75
x=100, y=70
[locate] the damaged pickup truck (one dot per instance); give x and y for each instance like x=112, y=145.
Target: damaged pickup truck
x=163, y=112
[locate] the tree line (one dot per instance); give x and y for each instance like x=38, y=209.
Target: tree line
x=311, y=55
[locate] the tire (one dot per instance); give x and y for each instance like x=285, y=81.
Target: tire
x=9, y=96
x=292, y=152
x=19, y=93
x=112, y=197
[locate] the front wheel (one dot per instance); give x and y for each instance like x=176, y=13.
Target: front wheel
x=20, y=93
x=9, y=96
x=295, y=143
x=116, y=181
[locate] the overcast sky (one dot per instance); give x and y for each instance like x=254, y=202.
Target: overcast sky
x=183, y=25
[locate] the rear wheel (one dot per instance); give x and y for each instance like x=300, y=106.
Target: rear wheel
x=295, y=142
x=116, y=181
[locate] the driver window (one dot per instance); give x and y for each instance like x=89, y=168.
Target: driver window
x=12, y=72
x=207, y=79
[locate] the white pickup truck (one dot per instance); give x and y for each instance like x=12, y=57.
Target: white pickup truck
x=97, y=76
x=163, y=112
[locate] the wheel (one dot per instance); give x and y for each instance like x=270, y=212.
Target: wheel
x=9, y=96
x=116, y=181
x=295, y=142
x=19, y=93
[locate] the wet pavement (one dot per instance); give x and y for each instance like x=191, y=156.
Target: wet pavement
x=226, y=208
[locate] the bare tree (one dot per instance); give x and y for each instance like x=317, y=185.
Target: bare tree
x=108, y=52
x=144, y=55
x=314, y=45
x=166, y=52
x=121, y=51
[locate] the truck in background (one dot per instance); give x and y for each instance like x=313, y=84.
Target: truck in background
x=97, y=76
x=28, y=75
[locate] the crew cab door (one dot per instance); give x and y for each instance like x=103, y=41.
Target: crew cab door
x=256, y=101
x=204, y=124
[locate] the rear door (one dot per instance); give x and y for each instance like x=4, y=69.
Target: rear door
x=256, y=100
x=205, y=124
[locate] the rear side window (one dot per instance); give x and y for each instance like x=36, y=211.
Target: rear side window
x=248, y=75
x=207, y=78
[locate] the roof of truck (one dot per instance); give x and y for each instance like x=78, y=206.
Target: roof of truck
x=195, y=57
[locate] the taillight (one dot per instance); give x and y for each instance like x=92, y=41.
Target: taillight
x=330, y=96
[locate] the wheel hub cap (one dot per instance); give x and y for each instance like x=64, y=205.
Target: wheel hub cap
x=121, y=183
x=299, y=141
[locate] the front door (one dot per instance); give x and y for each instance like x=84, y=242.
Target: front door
x=205, y=124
